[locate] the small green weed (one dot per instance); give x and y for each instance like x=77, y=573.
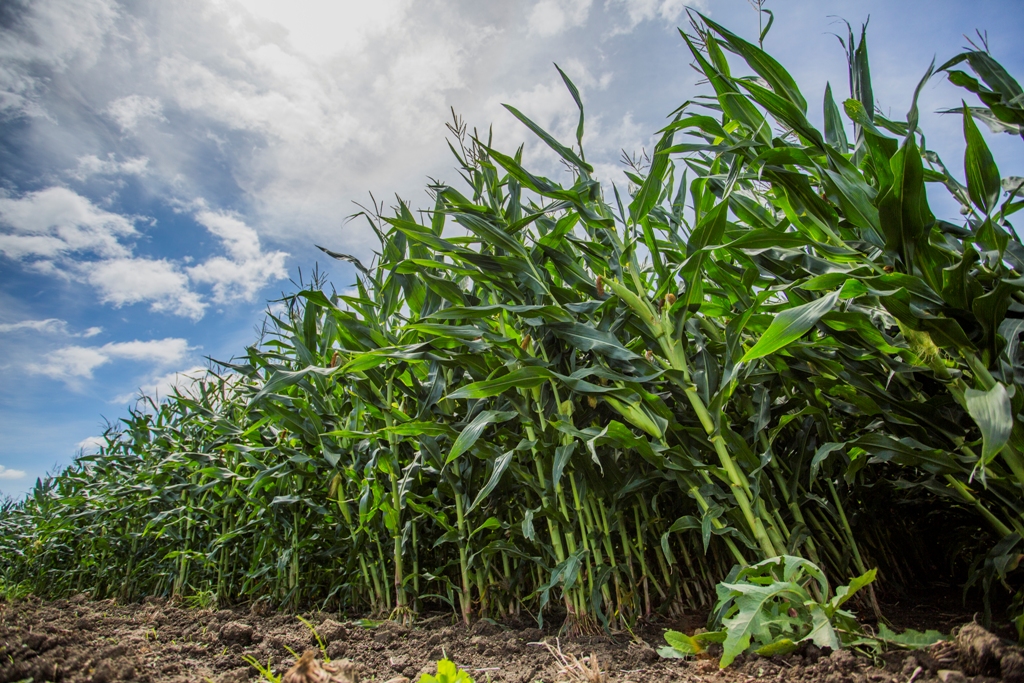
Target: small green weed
x=769, y=607
x=202, y=600
x=447, y=672
x=266, y=672
x=13, y=591
x=319, y=641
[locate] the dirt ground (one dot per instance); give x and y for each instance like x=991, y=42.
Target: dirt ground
x=79, y=640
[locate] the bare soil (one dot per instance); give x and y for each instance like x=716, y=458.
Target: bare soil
x=86, y=641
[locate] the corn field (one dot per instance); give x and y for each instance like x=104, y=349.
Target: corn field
x=575, y=401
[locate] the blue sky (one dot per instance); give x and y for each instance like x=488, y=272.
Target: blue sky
x=167, y=167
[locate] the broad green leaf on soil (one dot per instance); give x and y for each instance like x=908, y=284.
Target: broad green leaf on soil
x=914, y=640
x=683, y=643
x=750, y=603
x=822, y=634
x=790, y=325
x=983, y=183
x=472, y=432
x=993, y=415
x=782, y=646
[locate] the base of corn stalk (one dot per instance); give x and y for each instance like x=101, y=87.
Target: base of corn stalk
x=579, y=624
x=403, y=614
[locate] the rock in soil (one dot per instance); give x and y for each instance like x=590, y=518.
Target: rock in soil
x=330, y=630
x=309, y=670
x=982, y=653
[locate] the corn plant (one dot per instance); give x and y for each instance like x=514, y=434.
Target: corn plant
x=563, y=398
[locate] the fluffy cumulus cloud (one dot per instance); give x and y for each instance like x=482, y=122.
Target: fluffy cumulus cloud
x=9, y=474
x=91, y=444
x=128, y=111
x=91, y=165
x=72, y=364
x=59, y=231
x=246, y=269
x=134, y=280
x=647, y=10
x=551, y=17
x=161, y=386
x=43, y=226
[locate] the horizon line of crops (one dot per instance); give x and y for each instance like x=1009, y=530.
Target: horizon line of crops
x=597, y=402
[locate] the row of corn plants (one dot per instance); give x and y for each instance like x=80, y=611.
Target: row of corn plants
x=548, y=397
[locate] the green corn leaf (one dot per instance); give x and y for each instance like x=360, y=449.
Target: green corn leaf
x=835, y=134
x=561, y=459
x=983, y=183
x=587, y=338
x=579, y=104
x=785, y=111
x=649, y=193
x=524, y=378
x=859, y=115
x=992, y=413
x=472, y=432
x=790, y=325
x=559, y=148
x=824, y=450
x=500, y=465
x=764, y=64
x=281, y=379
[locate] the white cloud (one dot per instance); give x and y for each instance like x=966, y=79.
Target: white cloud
x=321, y=30
x=551, y=17
x=47, y=326
x=56, y=222
x=48, y=36
x=133, y=280
x=8, y=474
x=60, y=232
x=668, y=11
x=247, y=271
x=128, y=111
x=241, y=241
x=72, y=364
x=160, y=351
x=91, y=165
x=162, y=386
x=91, y=443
